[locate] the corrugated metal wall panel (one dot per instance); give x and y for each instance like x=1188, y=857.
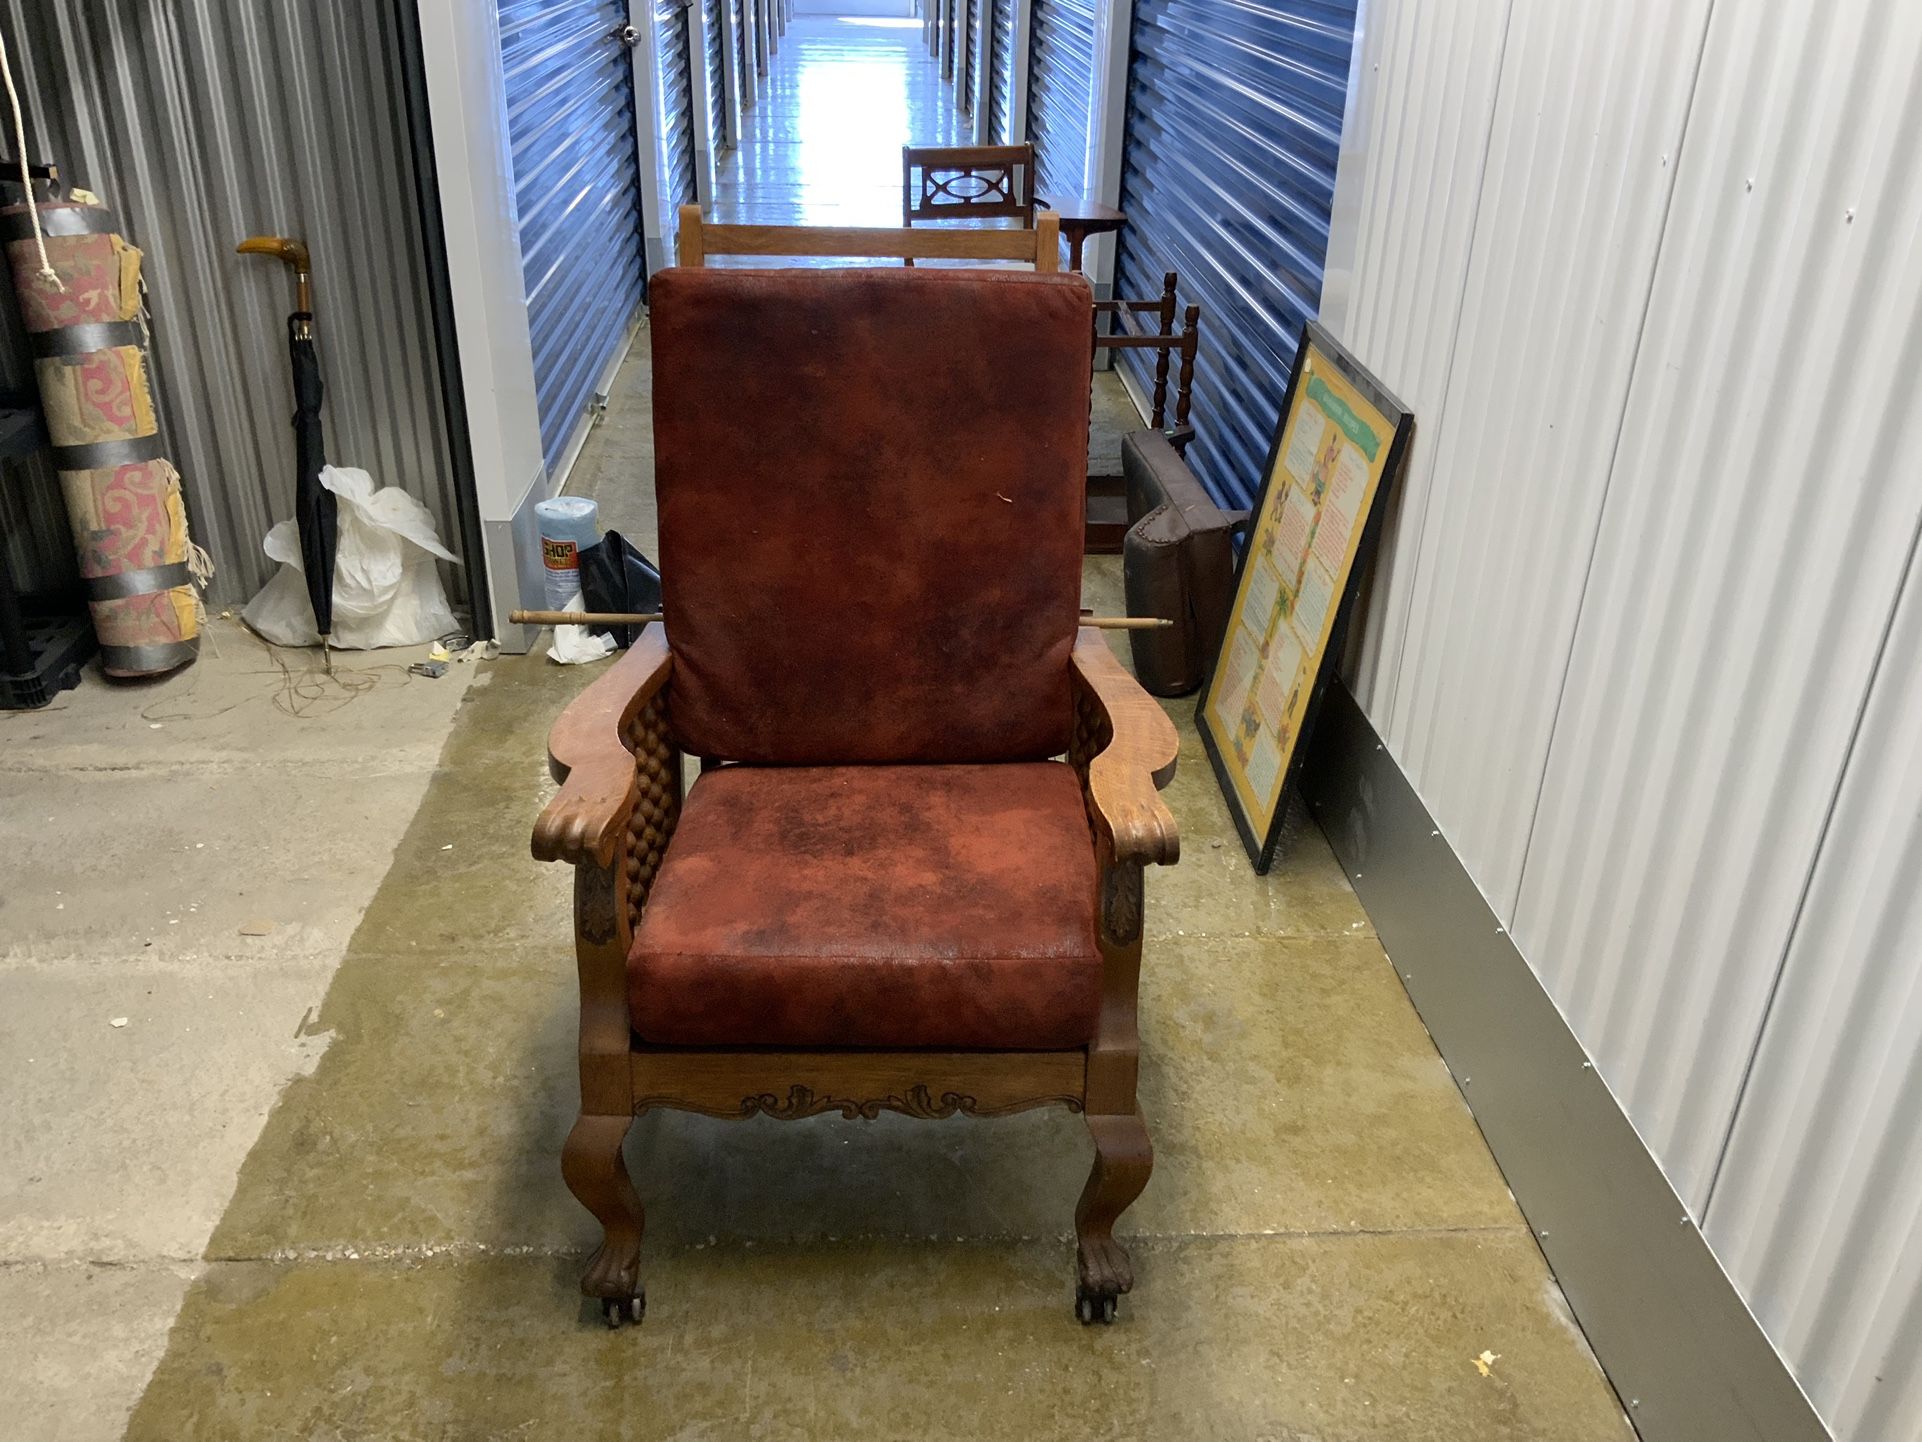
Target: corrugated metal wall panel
x=1001, y=81
x=1815, y=1211
x=750, y=62
x=1398, y=249
x=1663, y=499
x=964, y=62
x=202, y=123
x=716, y=78
x=1588, y=116
x=1061, y=93
x=1762, y=505
x=1228, y=171
x=570, y=119
x=677, y=104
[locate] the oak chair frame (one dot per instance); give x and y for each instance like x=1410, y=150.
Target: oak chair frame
x=620, y=779
x=700, y=238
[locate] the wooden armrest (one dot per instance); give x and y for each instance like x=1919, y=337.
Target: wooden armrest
x=1125, y=777
x=587, y=756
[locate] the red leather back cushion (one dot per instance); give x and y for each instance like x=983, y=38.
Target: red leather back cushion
x=871, y=490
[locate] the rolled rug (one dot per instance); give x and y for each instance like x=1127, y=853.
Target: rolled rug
x=123, y=495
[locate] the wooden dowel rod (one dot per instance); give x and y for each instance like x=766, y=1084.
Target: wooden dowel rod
x=642, y=618
x=583, y=618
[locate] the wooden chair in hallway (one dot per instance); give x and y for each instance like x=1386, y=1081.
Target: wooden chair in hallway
x=967, y=183
x=701, y=239
x=883, y=892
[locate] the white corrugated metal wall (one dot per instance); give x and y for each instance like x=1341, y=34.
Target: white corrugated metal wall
x=199, y=125
x=1647, y=274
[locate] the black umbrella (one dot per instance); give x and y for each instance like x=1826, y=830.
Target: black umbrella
x=316, y=509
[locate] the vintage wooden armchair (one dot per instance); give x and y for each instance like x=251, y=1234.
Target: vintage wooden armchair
x=882, y=892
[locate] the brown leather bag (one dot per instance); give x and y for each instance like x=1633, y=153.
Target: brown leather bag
x=1178, y=561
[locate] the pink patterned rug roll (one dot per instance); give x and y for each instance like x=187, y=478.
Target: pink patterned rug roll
x=123, y=496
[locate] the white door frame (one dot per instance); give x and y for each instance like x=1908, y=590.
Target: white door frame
x=657, y=226
x=474, y=165
x=700, y=123
x=1107, y=127
x=1018, y=71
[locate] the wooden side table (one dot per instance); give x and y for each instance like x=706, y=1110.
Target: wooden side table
x=1081, y=217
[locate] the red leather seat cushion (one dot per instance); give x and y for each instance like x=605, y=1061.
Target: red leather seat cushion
x=871, y=487
x=883, y=906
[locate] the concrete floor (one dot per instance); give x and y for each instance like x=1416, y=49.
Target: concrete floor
x=150, y=831
x=311, y=1189
x=1324, y=1250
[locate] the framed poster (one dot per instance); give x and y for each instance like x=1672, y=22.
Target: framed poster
x=1316, y=521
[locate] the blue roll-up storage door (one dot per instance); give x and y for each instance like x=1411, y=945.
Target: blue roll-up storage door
x=1060, y=93
x=1228, y=173
x=677, y=103
x=570, y=125
x=1001, y=74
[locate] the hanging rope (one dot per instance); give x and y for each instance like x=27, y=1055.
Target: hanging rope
x=47, y=272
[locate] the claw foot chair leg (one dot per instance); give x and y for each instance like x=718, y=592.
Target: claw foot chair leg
x=597, y=1175
x=1123, y=1157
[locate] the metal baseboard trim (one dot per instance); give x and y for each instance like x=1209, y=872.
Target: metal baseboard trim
x=514, y=573
x=1686, y=1356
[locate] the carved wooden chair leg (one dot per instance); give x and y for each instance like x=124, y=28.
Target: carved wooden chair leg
x=597, y=1175
x=1123, y=1157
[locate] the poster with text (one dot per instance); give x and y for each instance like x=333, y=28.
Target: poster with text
x=1340, y=436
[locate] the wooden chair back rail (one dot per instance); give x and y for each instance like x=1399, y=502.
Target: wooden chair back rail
x=929, y=173
x=1139, y=342
x=699, y=239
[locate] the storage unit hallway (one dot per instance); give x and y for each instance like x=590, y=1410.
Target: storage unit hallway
x=821, y=142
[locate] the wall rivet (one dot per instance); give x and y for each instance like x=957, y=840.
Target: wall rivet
x=1751, y=183
x=1850, y=217
x=1634, y=1401
x=1588, y=1066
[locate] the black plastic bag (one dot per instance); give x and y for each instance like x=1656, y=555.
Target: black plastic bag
x=616, y=577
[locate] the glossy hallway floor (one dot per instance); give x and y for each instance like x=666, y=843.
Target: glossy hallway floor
x=1324, y=1252
x=821, y=144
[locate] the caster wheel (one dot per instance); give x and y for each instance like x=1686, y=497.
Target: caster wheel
x=617, y=1310
x=1092, y=1307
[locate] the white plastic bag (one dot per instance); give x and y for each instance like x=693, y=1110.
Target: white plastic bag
x=576, y=644
x=386, y=590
